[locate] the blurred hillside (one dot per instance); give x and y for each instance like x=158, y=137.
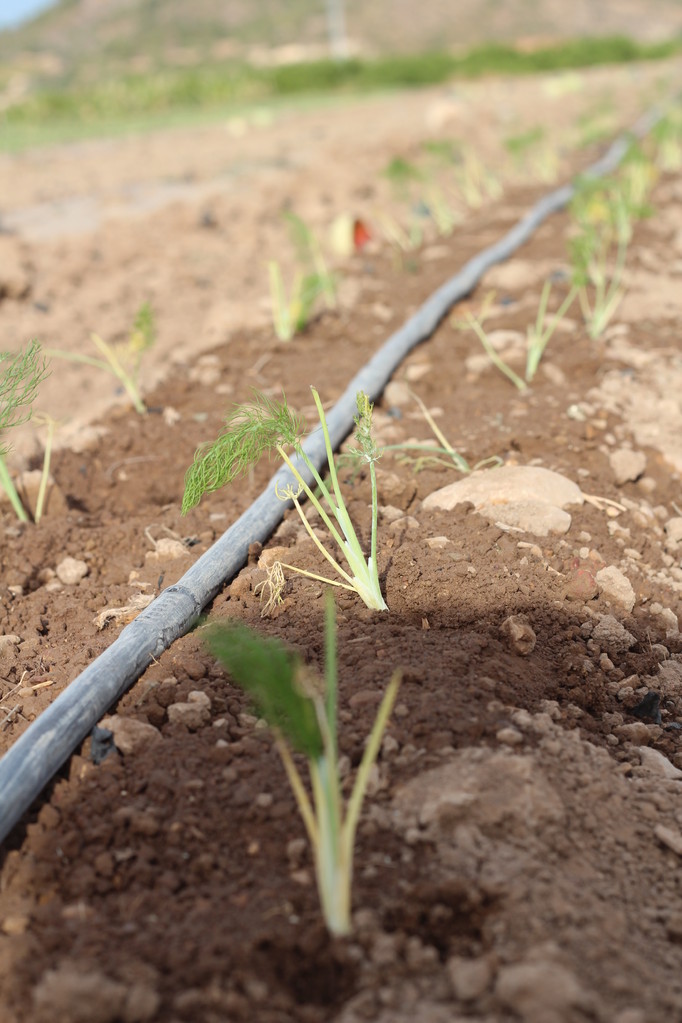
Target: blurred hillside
x=89, y=61
x=80, y=38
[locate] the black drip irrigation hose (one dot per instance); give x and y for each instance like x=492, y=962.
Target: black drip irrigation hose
x=33, y=760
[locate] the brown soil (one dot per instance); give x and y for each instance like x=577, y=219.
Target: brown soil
x=518, y=855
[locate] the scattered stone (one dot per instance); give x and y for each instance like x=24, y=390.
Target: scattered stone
x=71, y=570
x=670, y=838
x=470, y=978
x=581, y=584
x=437, y=543
x=612, y=636
x=395, y=490
x=636, y=732
x=404, y=522
x=522, y=496
x=396, y=392
x=616, y=587
x=672, y=625
x=519, y=632
x=509, y=736
x=167, y=549
x=15, y=924
x=658, y=764
x=72, y=993
x=673, y=533
x=193, y=714
x=130, y=734
x=540, y=991
x=170, y=415
x=273, y=554
x=627, y=465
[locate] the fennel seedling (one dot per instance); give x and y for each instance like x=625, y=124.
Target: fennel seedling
x=268, y=425
x=122, y=361
x=291, y=313
x=301, y=708
x=538, y=337
x=310, y=256
x=19, y=381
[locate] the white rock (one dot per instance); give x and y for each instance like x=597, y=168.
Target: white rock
x=612, y=636
x=656, y=762
x=616, y=587
x=539, y=992
x=71, y=571
x=167, y=549
x=520, y=634
x=396, y=392
x=673, y=530
x=469, y=977
x=193, y=714
x=627, y=465
x=130, y=734
x=668, y=616
x=527, y=497
x=668, y=837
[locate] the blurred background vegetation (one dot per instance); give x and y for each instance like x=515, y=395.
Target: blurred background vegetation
x=86, y=62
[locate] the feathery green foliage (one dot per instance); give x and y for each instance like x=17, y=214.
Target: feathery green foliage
x=268, y=425
x=302, y=709
x=271, y=675
x=20, y=377
x=250, y=431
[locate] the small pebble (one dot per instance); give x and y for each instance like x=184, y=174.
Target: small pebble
x=71, y=570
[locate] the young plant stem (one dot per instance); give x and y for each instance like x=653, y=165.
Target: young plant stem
x=45, y=472
x=269, y=426
x=110, y=363
x=119, y=371
x=494, y=357
x=364, y=579
x=304, y=711
x=540, y=336
x=8, y=486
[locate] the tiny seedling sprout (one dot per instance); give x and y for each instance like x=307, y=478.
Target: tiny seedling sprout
x=291, y=312
x=301, y=709
x=20, y=377
x=122, y=361
x=538, y=337
x=269, y=425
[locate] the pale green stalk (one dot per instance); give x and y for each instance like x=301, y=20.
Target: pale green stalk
x=608, y=290
x=269, y=426
x=45, y=473
x=281, y=316
x=330, y=826
x=110, y=364
x=7, y=484
x=496, y=359
x=364, y=578
x=539, y=336
x=120, y=372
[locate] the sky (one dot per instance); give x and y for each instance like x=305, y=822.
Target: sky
x=13, y=12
